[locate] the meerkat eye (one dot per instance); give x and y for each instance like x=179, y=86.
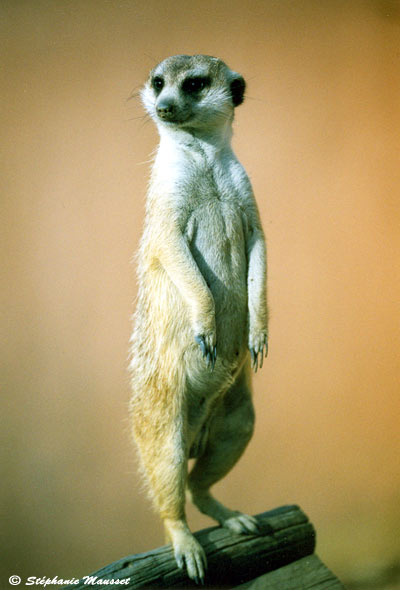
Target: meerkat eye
x=157, y=83
x=191, y=85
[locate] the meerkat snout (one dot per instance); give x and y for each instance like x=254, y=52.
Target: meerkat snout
x=165, y=109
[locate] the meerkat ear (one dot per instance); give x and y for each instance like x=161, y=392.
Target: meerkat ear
x=238, y=86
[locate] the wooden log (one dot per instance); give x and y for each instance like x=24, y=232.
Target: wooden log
x=286, y=536
x=307, y=573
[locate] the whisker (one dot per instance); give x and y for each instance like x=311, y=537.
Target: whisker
x=146, y=119
x=153, y=59
x=139, y=117
x=134, y=94
x=257, y=99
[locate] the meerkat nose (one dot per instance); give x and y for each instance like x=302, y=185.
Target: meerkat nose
x=165, y=109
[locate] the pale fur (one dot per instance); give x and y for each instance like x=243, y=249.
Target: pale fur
x=201, y=272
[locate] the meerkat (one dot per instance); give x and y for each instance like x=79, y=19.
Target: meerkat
x=200, y=323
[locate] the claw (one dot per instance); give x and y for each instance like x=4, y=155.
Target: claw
x=258, y=351
x=213, y=357
x=209, y=352
x=201, y=342
x=254, y=357
x=179, y=561
x=254, y=526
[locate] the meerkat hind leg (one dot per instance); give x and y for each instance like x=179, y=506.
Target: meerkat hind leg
x=230, y=432
x=170, y=498
x=167, y=473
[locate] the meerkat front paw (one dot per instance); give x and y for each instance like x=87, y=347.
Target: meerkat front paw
x=258, y=345
x=208, y=347
x=205, y=333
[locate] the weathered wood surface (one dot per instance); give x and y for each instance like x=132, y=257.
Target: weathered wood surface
x=287, y=536
x=307, y=573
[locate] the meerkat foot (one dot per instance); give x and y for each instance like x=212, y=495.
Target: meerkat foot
x=233, y=520
x=191, y=554
x=242, y=524
x=188, y=552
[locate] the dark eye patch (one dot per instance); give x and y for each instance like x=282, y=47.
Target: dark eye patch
x=157, y=83
x=195, y=84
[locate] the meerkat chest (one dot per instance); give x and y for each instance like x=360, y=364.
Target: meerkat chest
x=217, y=179
x=217, y=195
x=196, y=174
x=207, y=193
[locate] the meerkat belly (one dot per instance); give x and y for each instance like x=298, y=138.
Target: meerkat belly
x=218, y=247
x=217, y=244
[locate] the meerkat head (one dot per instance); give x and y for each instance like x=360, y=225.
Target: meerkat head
x=192, y=92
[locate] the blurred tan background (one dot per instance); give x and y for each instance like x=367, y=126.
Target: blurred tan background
x=319, y=135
